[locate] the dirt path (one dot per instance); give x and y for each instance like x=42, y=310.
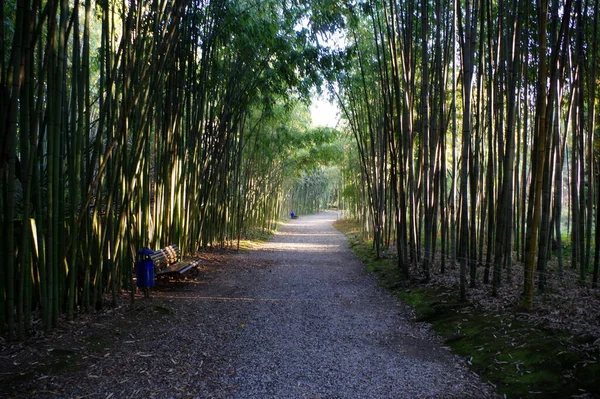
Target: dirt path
x=297, y=318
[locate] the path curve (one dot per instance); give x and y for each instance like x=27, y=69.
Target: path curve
x=298, y=317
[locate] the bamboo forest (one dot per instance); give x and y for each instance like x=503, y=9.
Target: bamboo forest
x=467, y=140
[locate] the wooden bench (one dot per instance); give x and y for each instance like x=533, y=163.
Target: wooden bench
x=168, y=260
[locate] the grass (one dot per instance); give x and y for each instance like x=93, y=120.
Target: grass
x=253, y=239
x=520, y=359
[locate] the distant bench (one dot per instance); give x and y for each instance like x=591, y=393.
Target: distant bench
x=168, y=260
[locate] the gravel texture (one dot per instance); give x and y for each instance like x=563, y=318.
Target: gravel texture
x=298, y=317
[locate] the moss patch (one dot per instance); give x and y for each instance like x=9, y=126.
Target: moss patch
x=520, y=359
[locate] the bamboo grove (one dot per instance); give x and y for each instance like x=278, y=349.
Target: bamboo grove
x=128, y=124
x=477, y=135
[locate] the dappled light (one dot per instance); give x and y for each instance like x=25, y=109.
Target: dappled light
x=144, y=144
x=302, y=224
x=458, y=140
x=301, y=247
x=305, y=234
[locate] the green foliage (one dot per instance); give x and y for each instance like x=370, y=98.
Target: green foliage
x=350, y=192
x=316, y=148
x=163, y=123
x=310, y=193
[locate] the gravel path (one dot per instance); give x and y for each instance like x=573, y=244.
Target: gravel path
x=297, y=318
x=318, y=326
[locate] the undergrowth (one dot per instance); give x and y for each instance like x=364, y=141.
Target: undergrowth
x=520, y=359
x=252, y=239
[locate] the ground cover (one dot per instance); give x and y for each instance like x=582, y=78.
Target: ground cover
x=522, y=354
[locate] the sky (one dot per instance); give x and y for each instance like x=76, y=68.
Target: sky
x=323, y=112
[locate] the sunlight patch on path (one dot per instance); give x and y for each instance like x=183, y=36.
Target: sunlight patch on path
x=301, y=247
x=286, y=233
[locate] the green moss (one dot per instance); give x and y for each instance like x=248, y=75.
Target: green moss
x=516, y=357
x=520, y=359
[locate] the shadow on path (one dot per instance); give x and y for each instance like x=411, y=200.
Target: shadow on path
x=314, y=324
x=297, y=317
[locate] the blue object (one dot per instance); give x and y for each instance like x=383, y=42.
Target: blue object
x=293, y=215
x=144, y=268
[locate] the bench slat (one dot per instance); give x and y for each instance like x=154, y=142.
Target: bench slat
x=189, y=266
x=169, y=255
x=168, y=260
x=181, y=267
